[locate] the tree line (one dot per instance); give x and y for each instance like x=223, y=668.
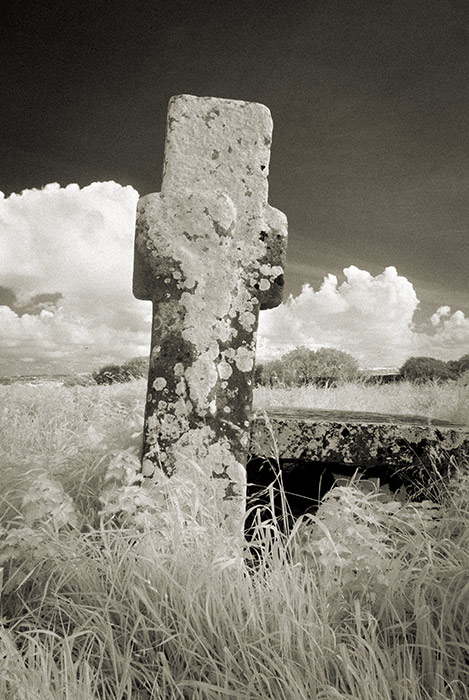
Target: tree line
x=424, y=369
x=302, y=367
x=328, y=366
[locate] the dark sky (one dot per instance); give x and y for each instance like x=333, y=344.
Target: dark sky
x=370, y=158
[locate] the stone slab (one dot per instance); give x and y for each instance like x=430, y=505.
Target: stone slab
x=361, y=439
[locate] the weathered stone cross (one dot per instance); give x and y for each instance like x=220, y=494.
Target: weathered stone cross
x=209, y=253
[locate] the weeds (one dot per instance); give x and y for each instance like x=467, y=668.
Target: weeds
x=366, y=599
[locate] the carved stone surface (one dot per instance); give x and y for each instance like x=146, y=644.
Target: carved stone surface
x=209, y=253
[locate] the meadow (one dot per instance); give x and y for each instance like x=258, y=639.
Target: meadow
x=111, y=592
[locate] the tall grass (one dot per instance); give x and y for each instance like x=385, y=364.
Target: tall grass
x=445, y=401
x=368, y=599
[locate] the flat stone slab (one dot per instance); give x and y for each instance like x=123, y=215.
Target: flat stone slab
x=357, y=438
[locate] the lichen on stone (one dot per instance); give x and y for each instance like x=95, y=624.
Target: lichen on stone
x=159, y=384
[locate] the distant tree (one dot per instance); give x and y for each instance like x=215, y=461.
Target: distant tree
x=304, y=366
x=424, y=369
x=459, y=367
x=273, y=373
x=136, y=368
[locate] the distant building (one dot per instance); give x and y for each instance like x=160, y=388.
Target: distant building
x=381, y=375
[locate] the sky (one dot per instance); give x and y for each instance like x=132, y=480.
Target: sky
x=369, y=162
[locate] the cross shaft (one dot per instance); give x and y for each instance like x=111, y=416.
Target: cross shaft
x=209, y=253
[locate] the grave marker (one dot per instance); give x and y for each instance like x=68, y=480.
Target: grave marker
x=209, y=253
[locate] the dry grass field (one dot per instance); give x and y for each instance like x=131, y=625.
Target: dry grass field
x=108, y=596
x=446, y=400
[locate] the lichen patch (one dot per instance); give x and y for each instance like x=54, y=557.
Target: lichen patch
x=159, y=384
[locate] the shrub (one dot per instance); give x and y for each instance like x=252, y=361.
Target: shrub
x=110, y=374
x=136, y=368
x=424, y=369
x=258, y=374
x=459, y=367
x=304, y=366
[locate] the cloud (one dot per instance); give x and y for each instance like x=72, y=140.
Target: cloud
x=66, y=301
x=370, y=317
x=66, y=273
x=451, y=339
x=35, y=304
x=440, y=314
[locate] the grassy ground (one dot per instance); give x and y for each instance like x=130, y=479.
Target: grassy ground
x=369, y=599
x=447, y=401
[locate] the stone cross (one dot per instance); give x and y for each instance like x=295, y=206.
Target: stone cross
x=209, y=253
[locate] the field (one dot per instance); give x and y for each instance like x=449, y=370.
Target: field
x=107, y=596
x=446, y=401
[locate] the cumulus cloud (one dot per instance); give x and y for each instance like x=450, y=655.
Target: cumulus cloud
x=370, y=317
x=451, y=339
x=66, y=300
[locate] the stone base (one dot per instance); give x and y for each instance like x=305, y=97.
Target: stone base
x=309, y=448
